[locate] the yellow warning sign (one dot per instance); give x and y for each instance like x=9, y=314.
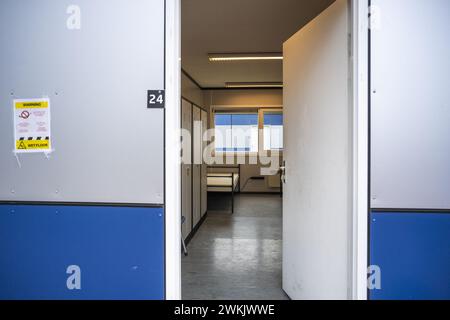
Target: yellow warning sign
x=32, y=145
x=31, y=104
x=32, y=125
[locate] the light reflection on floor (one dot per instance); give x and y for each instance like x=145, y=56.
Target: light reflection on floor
x=237, y=256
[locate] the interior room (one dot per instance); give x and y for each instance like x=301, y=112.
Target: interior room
x=232, y=87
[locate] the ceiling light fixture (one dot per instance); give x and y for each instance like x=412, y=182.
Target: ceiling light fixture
x=227, y=57
x=254, y=85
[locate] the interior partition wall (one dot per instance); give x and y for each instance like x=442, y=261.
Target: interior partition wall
x=410, y=148
x=82, y=214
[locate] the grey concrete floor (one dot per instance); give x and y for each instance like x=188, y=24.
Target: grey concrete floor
x=236, y=257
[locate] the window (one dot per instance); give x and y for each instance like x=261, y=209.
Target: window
x=236, y=132
x=273, y=130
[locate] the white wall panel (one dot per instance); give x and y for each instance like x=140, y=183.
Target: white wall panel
x=108, y=146
x=410, y=105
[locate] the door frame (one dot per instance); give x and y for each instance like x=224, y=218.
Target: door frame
x=359, y=45
x=361, y=153
x=172, y=188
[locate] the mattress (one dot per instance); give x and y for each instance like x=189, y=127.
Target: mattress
x=222, y=182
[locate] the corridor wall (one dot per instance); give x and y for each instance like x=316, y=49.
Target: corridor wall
x=410, y=149
x=82, y=205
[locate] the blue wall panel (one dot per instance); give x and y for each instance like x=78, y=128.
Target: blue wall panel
x=120, y=251
x=413, y=252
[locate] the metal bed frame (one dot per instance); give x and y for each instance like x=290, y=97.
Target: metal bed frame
x=232, y=187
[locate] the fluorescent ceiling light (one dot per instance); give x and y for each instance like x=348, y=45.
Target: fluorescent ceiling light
x=217, y=57
x=254, y=85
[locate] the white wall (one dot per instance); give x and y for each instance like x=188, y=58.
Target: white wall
x=190, y=91
x=256, y=97
x=318, y=153
x=76, y=171
x=410, y=109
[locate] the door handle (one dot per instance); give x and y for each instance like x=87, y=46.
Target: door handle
x=282, y=172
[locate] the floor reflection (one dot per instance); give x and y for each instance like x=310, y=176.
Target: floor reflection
x=237, y=256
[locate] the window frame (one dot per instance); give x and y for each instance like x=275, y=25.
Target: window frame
x=259, y=110
x=262, y=111
x=234, y=112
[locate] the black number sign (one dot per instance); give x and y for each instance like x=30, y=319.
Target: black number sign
x=156, y=99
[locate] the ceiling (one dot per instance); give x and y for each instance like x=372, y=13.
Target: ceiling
x=240, y=26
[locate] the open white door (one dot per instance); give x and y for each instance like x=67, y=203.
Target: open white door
x=317, y=201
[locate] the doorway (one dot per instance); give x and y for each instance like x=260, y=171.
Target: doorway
x=235, y=250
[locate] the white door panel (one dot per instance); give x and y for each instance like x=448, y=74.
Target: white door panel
x=317, y=137
x=204, y=169
x=186, y=170
x=196, y=173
